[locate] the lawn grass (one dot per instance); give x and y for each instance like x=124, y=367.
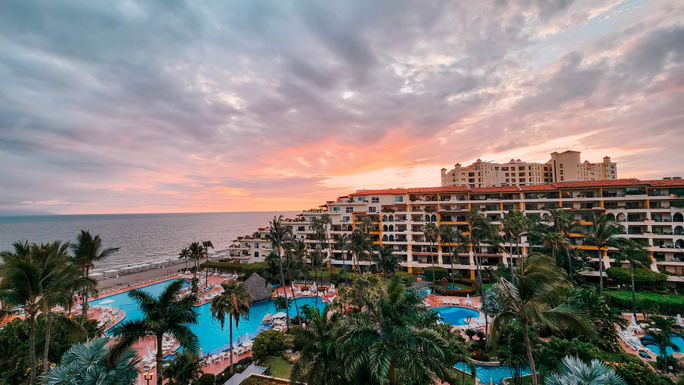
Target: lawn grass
x=278, y=367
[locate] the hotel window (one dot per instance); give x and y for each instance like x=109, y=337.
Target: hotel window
x=345, y=219
x=349, y=209
x=336, y=209
x=400, y=198
x=361, y=199
x=256, y=245
x=375, y=199
x=371, y=209
x=301, y=228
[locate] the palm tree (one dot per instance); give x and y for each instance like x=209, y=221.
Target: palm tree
x=280, y=303
x=65, y=280
x=26, y=276
x=318, y=363
x=280, y=234
x=185, y=368
x=86, y=364
x=184, y=254
x=360, y=247
x=574, y=371
x=447, y=235
x=234, y=301
x=167, y=313
x=431, y=234
x=387, y=261
x=603, y=229
x=660, y=332
x=316, y=261
x=515, y=224
x=392, y=343
x=196, y=252
x=481, y=231
x=538, y=284
x=342, y=244
x=318, y=225
x=637, y=256
x=205, y=246
x=86, y=251
x=295, y=254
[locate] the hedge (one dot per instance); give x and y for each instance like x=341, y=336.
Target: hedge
x=669, y=304
x=245, y=268
x=405, y=277
x=643, y=278
x=440, y=273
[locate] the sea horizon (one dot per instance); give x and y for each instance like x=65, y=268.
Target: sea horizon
x=141, y=237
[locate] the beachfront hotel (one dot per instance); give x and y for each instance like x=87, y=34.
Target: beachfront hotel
x=562, y=167
x=648, y=210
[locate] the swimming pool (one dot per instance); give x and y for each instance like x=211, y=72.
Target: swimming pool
x=675, y=339
x=208, y=330
x=491, y=374
x=456, y=315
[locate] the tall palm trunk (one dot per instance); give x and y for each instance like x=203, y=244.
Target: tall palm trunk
x=631, y=270
x=344, y=268
x=84, y=305
x=530, y=357
x=453, y=278
x=600, y=255
x=160, y=356
x=32, y=346
x=206, y=271
x=567, y=255
x=392, y=373
x=317, y=284
x=432, y=257
x=282, y=284
x=230, y=319
x=519, y=254
x=294, y=298
x=478, y=264
x=46, y=349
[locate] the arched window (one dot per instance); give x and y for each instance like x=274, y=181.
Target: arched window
x=384, y=238
x=384, y=218
x=678, y=217
x=391, y=227
x=391, y=218
x=391, y=238
x=610, y=216
x=384, y=227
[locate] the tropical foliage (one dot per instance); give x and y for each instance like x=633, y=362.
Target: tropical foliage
x=167, y=313
x=86, y=364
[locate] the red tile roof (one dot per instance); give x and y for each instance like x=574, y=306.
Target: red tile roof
x=495, y=189
x=665, y=182
x=540, y=187
x=599, y=183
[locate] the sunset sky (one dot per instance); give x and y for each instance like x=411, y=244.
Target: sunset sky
x=172, y=106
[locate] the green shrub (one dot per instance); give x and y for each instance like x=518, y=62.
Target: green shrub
x=207, y=379
x=440, y=273
x=269, y=343
x=644, y=279
x=636, y=372
x=406, y=277
x=669, y=304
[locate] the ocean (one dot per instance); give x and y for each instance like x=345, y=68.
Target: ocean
x=140, y=237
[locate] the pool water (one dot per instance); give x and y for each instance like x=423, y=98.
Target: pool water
x=456, y=315
x=208, y=330
x=491, y=374
x=675, y=339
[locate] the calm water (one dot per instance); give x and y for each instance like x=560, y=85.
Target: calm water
x=456, y=315
x=675, y=339
x=212, y=338
x=491, y=374
x=141, y=237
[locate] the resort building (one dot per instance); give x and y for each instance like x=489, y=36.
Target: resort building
x=562, y=167
x=649, y=211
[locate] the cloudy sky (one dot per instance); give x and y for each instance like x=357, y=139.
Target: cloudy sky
x=168, y=106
